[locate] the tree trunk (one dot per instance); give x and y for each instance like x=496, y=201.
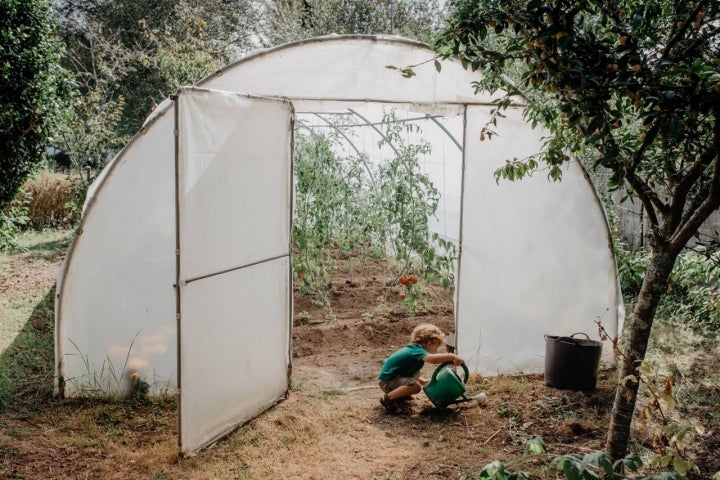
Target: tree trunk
x=653, y=288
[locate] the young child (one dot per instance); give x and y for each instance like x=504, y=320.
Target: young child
x=400, y=374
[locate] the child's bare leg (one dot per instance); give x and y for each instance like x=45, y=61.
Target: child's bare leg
x=404, y=391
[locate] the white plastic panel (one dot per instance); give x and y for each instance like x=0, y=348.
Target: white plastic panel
x=235, y=350
x=536, y=255
x=350, y=68
x=116, y=308
x=234, y=170
x=234, y=206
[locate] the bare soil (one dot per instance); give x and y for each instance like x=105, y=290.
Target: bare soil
x=331, y=425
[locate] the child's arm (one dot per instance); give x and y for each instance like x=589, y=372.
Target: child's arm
x=436, y=358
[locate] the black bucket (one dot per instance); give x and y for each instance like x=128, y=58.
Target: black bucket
x=571, y=363
x=450, y=343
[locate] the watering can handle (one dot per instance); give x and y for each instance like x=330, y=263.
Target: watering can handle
x=580, y=333
x=445, y=364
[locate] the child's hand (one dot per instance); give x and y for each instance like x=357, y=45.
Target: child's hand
x=458, y=361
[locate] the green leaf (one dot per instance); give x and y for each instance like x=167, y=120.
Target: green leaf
x=534, y=446
x=631, y=462
x=601, y=460
x=494, y=471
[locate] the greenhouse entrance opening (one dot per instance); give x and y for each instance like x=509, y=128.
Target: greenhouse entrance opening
x=377, y=181
x=375, y=232
x=180, y=277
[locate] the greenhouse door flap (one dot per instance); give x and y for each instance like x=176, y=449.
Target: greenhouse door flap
x=233, y=184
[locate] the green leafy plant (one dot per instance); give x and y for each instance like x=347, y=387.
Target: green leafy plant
x=287, y=21
x=694, y=288
x=33, y=90
x=409, y=199
x=573, y=466
x=12, y=220
x=367, y=211
x=323, y=194
x=631, y=268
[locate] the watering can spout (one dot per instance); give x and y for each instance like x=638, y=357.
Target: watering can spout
x=481, y=398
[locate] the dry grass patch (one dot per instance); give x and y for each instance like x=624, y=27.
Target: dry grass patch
x=50, y=200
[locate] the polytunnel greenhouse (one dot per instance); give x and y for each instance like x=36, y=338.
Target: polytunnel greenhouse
x=180, y=273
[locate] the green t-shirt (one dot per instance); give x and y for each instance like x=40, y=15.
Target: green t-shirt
x=405, y=362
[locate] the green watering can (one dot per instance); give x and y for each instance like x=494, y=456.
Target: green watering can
x=446, y=387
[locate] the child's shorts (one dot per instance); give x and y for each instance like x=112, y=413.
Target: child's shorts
x=388, y=386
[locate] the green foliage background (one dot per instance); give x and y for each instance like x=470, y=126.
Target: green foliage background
x=33, y=89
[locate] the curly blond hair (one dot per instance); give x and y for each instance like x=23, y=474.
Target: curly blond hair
x=425, y=333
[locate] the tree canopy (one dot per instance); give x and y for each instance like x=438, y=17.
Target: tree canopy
x=139, y=52
x=629, y=86
x=33, y=87
x=291, y=20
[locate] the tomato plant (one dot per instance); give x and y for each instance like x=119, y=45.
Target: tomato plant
x=366, y=210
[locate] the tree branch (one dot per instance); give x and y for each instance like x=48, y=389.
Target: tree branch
x=645, y=195
x=648, y=196
x=699, y=42
x=691, y=177
x=681, y=31
x=708, y=205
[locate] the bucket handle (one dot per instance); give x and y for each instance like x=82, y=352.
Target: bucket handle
x=568, y=340
x=445, y=364
x=571, y=337
x=580, y=333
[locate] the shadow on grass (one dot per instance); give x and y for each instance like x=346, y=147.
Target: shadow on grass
x=27, y=365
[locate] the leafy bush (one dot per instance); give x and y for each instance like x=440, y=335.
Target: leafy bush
x=12, y=220
x=32, y=88
x=693, y=294
x=409, y=199
x=631, y=268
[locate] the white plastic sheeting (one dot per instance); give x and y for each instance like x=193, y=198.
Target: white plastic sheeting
x=234, y=167
x=115, y=306
x=317, y=72
x=535, y=256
